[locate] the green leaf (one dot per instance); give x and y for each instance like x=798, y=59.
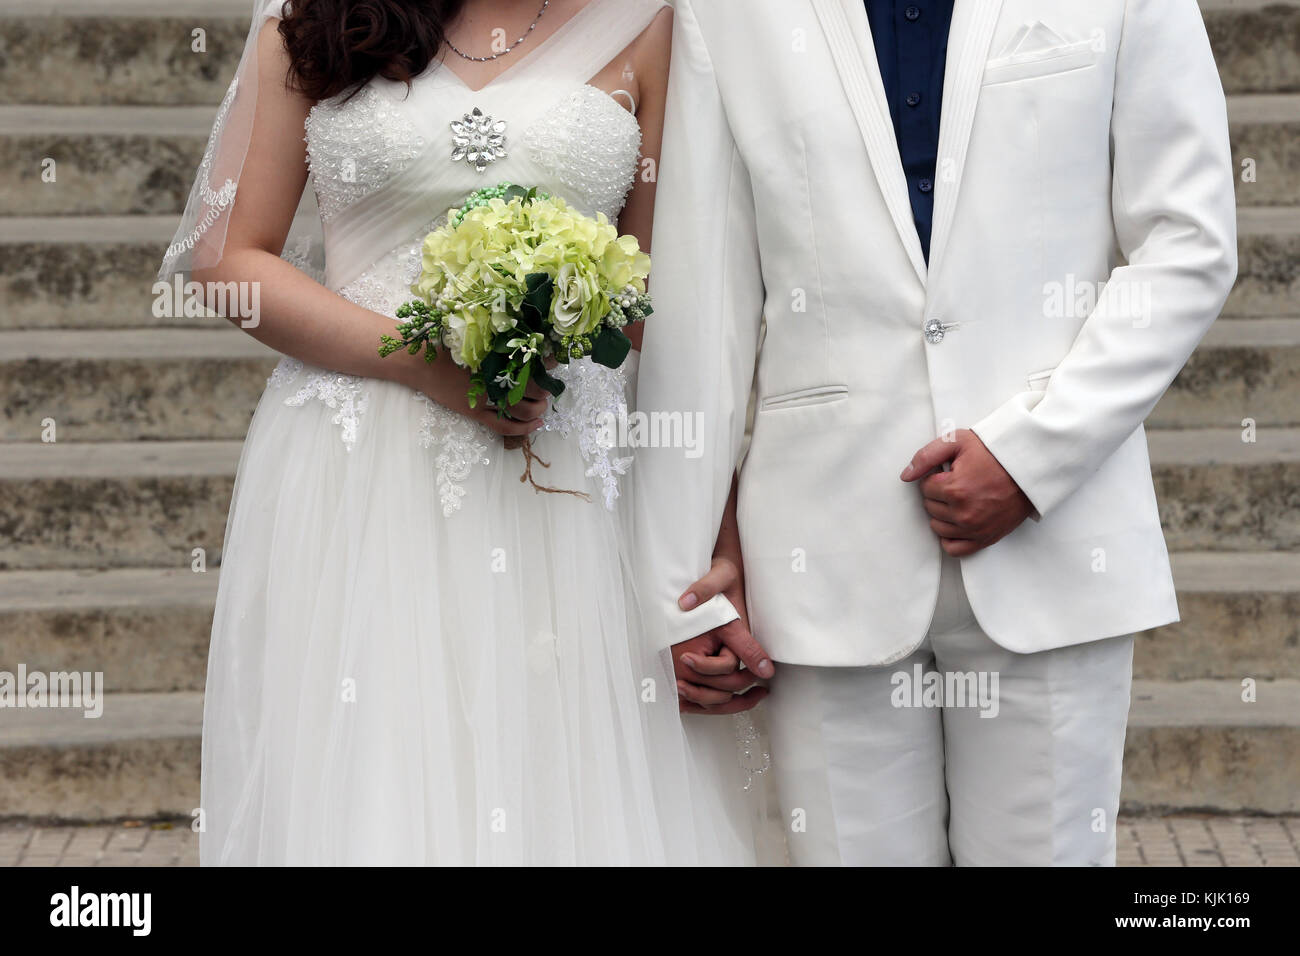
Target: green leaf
x=517, y=393
x=492, y=365
x=515, y=192
x=537, y=300
x=611, y=348
x=498, y=396
x=545, y=379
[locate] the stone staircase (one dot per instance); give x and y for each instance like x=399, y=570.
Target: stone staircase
x=97, y=529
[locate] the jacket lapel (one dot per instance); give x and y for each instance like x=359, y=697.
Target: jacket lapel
x=973, y=23
x=854, y=52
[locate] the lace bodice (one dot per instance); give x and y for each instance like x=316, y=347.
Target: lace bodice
x=387, y=163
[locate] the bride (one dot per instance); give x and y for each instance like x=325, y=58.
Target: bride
x=415, y=658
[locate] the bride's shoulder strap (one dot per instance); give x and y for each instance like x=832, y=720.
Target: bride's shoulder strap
x=593, y=37
x=271, y=10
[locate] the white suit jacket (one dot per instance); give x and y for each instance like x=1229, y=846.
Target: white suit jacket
x=1083, y=242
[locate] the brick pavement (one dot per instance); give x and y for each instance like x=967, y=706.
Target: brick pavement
x=1184, y=840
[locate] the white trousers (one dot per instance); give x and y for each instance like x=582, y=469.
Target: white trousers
x=898, y=766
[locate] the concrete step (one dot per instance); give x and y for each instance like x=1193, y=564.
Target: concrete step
x=106, y=505
x=108, y=385
x=1220, y=493
x=86, y=272
x=1240, y=618
x=1245, y=368
x=1265, y=130
x=83, y=272
x=1256, y=44
x=119, y=160
x=148, y=504
x=1268, y=273
x=1190, y=745
x=187, y=384
x=98, y=52
x=144, y=629
x=99, y=271
x=140, y=160
x=1196, y=745
x=139, y=759
x=140, y=51
x=147, y=629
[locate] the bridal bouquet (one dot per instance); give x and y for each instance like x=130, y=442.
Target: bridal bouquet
x=517, y=278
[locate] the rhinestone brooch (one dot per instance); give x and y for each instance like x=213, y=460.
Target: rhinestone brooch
x=478, y=139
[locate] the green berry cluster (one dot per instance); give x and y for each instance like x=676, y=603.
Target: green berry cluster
x=628, y=306
x=421, y=329
x=568, y=350
x=481, y=197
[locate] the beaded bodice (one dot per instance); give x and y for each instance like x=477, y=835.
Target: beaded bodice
x=583, y=145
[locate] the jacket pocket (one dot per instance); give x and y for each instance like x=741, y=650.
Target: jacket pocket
x=1058, y=60
x=818, y=395
x=1038, y=381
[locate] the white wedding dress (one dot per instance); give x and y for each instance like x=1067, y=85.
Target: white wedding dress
x=416, y=659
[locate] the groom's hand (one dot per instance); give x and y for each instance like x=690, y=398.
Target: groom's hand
x=974, y=505
x=709, y=676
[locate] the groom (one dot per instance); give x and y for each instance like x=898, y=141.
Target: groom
x=985, y=236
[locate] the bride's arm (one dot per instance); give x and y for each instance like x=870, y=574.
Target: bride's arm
x=299, y=316
x=649, y=57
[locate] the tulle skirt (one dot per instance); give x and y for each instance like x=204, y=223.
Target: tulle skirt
x=392, y=684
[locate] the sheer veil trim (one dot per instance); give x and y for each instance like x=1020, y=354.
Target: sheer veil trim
x=215, y=201
x=200, y=236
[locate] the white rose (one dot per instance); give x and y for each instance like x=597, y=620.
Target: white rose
x=453, y=336
x=568, y=299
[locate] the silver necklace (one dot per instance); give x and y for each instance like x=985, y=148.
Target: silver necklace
x=495, y=56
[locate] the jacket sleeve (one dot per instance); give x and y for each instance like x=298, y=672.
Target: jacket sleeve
x=700, y=345
x=1175, y=221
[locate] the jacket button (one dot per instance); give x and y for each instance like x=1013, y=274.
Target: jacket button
x=934, y=331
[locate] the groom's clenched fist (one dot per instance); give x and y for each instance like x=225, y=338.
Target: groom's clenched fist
x=710, y=679
x=973, y=505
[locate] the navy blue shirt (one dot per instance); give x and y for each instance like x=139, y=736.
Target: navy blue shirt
x=911, y=38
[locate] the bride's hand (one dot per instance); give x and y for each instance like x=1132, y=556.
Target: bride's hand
x=448, y=384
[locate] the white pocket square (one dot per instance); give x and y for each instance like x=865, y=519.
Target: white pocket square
x=1034, y=37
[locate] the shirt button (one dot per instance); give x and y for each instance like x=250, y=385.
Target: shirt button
x=912, y=13
x=924, y=185
x=913, y=99
x=934, y=331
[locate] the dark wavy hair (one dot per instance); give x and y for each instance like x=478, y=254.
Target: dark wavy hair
x=338, y=46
